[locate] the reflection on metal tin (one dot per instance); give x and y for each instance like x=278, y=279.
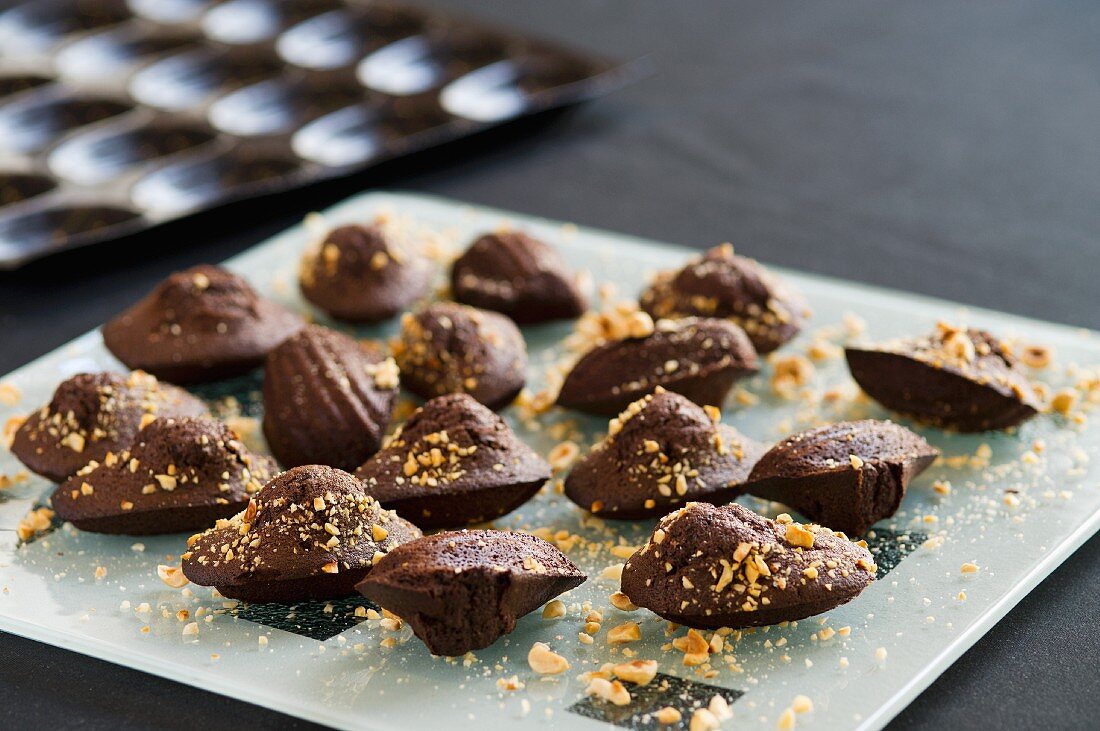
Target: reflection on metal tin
x=241, y=21
x=330, y=40
x=347, y=137
x=185, y=186
x=36, y=27
x=408, y=66
x=101, y=155
x=489, y=94
x=31, y=123
x=112, y=52
x=169, y=11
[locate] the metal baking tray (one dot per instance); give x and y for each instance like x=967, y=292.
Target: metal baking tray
x=119, y=115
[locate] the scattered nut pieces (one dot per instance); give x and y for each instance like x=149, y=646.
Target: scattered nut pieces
x=611, y=691
x=554, y=609
x=692, y=643
x=802, y=704
x=1036, y=356
x=720, y=707
x=626, y=632
x=512, y=683
x=791, y=373
x=172, y=576
x=545, y=661
x=614, y=572
x=622, y=602
x=667, y=716
x=9, y=394
x=703, y=720
x=1064, y=401
x=639, y=672
x=34, y=523
x=563, y=455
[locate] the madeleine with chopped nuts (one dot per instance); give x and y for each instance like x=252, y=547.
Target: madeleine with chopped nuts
x=711, y=567
x=181, y=474
x=846, y=476
x=198, y=325
x=310, y=533
x=452, y=348
x=364, y=273
x=662, y=451
x=519, y=276
x=699, y=358
x=461, y=590
x=327, y=399
x=453, y=463
x=957, y=378
x=91, y=415
x=719, y=283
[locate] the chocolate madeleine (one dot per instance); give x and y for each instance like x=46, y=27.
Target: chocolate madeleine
x=698, y=358
x=662, y=451
x=955, y=378
x=201, y=324
x=181, y=474
x=461, y=590
x=364, y=273
x=451, y=348
x=92, y=414
x=453, y=463
x=719, y=283
x=517, y=275
x=710, y=567
x=310, y=533
x=846, y=476
x=327, y=399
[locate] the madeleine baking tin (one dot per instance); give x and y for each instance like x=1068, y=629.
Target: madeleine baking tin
x=117, y=115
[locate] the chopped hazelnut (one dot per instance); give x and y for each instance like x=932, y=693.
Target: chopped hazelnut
x=545, y=661
x=626, y=632
x=172, y=576
x=554, y=609
x=639, y=672
x=622, y=602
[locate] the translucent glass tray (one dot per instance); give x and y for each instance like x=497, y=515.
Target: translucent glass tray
x=327, y=664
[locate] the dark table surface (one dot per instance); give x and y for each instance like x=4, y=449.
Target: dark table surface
x=940, y=147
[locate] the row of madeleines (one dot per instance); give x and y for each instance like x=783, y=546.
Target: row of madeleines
x=133, y=454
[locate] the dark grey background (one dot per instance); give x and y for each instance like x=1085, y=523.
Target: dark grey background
x=939, y=146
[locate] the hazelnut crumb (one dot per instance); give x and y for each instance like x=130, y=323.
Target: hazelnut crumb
x=554, y=609
x=667, y=716
x=609, y=690
x=545, y=661
x=622, y=602
x=626, y=632
x=639, y=672
x=703, y=720
x=802, y=704
x=172, y=576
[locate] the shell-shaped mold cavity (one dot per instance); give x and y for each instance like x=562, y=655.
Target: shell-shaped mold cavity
x=103, y=154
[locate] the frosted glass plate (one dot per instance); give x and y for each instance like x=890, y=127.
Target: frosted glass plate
x=328, y=665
